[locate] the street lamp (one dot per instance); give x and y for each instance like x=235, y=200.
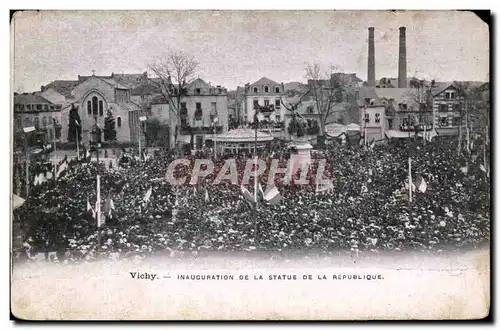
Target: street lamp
x=142, y=119
x=27, y=130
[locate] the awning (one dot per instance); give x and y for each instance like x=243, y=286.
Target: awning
x=447, y=131
x=17, y=201
x=183, y=138
x=431, y=134
x=392, y=134
x=353, y=127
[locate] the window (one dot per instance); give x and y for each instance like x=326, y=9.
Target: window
x=457, y=107
x=443, y=107
x=255, y=104
x=367, y=117
x=266, y=103
x=214, y=108
x=46, y=107
x=443, y=121
x=423, y=107
x=276, y=89
x=266, y=89
x=44, y=122
x=377, y=117
x=452, y=95
x=310, y=109
x=447, y=95
x=277, y=103
x=28, y=106
x=37, y=122
x=278, y=117
x=159, y=111
x=89, y=108
x=101, y=108
x=403, y=106
x=457, y=121
x=27, y=121
x=389, y=123
x=255, y=90
x=39, y=107
x=94, y=105
x=21, y=107
x=405, y=122
x=197, y=91
x=143, y=97
x=119, y=121
x=198, y=113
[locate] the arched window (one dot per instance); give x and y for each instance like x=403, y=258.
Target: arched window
x=101, y=108
x=89, y=108
x=94, y=105
x=44, y=121
x=266, y=89
x=255, y=90
x=276, y=89
x=37, y=122
x=119, y=121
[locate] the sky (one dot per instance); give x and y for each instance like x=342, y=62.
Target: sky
x=238, y=47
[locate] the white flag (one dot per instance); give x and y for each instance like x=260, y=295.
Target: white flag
x=148, y=195
x=464, y=169
x=62, y=167
x=77, y=124
x=422, y=185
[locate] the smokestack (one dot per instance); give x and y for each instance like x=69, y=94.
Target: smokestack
x=371, y=56
x=402, y=58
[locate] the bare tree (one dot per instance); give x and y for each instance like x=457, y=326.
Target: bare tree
x=172, y=76
x=423, y=98
x=330, y=91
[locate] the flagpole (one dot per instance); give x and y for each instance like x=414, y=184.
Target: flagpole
x=55, y=163
x=77, y=144
x=254, y=211
x=409, y=179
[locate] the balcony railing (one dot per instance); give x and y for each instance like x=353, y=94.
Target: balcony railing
x=407, y=128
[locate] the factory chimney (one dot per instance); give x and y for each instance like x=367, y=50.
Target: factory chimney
x=371, y=57
x=402, y=58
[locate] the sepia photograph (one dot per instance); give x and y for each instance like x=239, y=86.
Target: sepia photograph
x=250, y=165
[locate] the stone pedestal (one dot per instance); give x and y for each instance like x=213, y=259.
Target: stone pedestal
x=302, y=155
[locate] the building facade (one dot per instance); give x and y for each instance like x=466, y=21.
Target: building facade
x=265, y=93
x=35, y=110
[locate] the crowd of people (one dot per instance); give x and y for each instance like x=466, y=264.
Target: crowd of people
x=365, y=210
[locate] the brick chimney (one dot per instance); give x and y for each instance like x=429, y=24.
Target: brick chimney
x=371, y=56
x=402, y=58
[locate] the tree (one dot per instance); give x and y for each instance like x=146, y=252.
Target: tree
x=73, y=127
x=109, y=127
x=157, y=133
x=173, y=75
x=330, y=92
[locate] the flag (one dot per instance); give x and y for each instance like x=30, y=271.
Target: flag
x=148, y=195
x=482, y=168
x=412, y=186
x=62, y=168
x=77, y=123
x=109, y=206
x=17, y=201
x=260, y=189
x=464, y=169
x=361, y=142
x=87, y=154
x=272, y=195
x=90, y=209
x=48, y=175
x=421, y=184
x=372, y=144
x=36, y=181
x=248, y=196
x=207, y=198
